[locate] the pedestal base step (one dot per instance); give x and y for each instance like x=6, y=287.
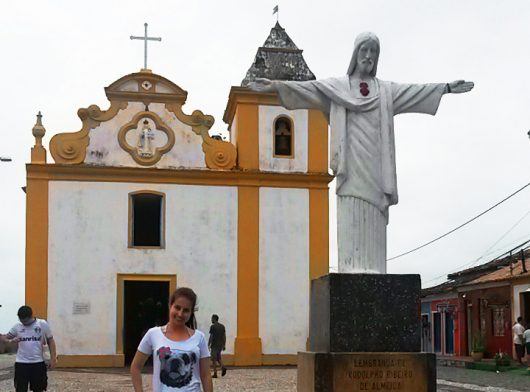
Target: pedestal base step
x=352, y=372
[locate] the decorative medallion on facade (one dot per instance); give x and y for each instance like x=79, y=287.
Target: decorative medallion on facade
x=146, y=138
x=147, y=85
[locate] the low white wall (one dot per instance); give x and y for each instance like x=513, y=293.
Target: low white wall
x=88, y=232
x=284, y=270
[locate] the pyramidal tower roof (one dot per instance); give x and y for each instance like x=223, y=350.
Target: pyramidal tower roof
x=278, y=59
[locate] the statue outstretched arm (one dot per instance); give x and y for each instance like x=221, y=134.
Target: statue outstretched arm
x=458, y=87
x=294, y=94
x=262, y=85
x=424, y=98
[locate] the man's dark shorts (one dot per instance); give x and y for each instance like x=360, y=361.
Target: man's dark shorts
x=215, y=353
x=32, y=373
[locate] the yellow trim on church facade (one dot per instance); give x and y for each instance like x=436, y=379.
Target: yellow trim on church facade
x=248, y=342
x=318, y=198
x=90, y=361
x=248, y=141
x=36, y=291
x=317, y=161
x=184, y=177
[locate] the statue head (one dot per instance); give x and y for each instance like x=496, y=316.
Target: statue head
x=365, y=53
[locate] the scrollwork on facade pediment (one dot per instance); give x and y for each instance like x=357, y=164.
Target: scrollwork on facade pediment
x=70, y=148
x=218, y=154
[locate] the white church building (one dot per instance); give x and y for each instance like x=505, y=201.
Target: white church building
x=142, y=200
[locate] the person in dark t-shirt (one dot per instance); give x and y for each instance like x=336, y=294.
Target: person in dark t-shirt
x=217, y=343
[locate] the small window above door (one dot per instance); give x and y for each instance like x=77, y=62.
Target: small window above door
x=146, y=219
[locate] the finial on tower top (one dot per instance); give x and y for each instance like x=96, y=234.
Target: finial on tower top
x=38, y=130
x=38, y=152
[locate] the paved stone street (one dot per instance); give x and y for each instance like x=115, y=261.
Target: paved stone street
x=274, y=379
x=479, y=380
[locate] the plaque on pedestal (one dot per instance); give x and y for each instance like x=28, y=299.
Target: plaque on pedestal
x=353, y=372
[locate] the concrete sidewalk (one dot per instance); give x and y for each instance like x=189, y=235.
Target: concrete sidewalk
x=7, y=361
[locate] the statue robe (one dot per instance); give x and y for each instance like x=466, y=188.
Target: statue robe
x=362, y=156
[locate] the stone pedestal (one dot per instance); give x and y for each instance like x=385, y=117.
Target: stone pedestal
x=365, y=313
x=365, y=335
x=352, y=372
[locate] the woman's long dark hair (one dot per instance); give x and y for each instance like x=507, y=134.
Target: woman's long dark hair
x=188, y=293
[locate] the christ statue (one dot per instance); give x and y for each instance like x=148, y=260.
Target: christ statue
x=360, y=109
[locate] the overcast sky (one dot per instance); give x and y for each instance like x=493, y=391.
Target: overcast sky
x=57, y=56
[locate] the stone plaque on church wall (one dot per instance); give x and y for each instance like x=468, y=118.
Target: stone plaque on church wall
x=352, y=372
x=81, y=308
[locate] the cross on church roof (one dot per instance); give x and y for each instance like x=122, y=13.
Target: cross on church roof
x=146, y=38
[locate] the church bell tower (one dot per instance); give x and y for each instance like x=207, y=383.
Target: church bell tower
x=292, y=146
x=269, y=137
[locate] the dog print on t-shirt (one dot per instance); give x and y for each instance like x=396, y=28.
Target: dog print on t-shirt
x=176, y=367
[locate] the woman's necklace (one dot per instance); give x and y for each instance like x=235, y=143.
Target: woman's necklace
x=165, y=328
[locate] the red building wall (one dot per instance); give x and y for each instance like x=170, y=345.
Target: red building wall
x=490, y=316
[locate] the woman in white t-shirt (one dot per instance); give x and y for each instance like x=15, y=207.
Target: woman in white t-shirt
x=181, y=360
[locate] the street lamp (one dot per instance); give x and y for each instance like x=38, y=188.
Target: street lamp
x=5, y=159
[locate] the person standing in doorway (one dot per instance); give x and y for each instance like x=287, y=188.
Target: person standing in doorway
x=180, y=353
x=217, y=344
x=518, y=340
x=31, y=334
x=526, y=337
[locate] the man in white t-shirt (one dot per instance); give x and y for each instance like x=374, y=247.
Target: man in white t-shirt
x=518, y=340
x=31, y=334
